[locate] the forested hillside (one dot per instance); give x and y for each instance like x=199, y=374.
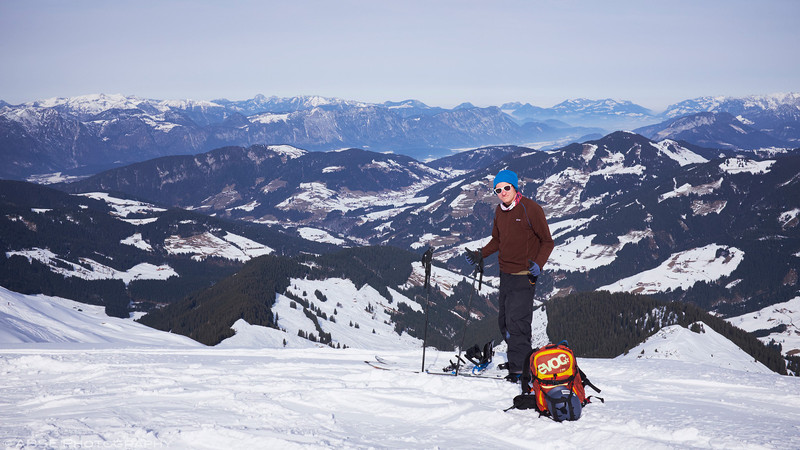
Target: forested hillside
x=121, y=253
x=605, y=325
x=596, y=324
x=207, y=316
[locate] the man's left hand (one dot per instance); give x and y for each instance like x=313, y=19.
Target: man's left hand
x=534, y=269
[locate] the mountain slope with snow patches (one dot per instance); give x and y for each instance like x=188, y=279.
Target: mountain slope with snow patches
x=779, y=322
x=682, y=270
x=110, y=250
x=636, y=205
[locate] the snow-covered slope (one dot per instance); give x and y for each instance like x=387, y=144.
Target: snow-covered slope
x=144, y=388
x=40, y=319
x=682, y=270
x=707, y=348
x=353, y=317
x=357, y=318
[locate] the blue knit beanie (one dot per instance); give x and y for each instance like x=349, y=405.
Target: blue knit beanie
x=506, y=176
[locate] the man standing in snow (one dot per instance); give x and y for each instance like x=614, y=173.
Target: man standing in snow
x=522, y=236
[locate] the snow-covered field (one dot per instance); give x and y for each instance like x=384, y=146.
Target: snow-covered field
x=78, y=396
x=99, y=382
x=784, y=315
x=95, y=270
x=682, y=270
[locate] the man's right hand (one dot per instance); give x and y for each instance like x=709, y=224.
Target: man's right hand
x=473, y=256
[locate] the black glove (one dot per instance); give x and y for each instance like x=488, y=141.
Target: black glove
x=473, y=256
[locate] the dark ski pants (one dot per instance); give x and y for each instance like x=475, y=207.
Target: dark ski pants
x=514, y=318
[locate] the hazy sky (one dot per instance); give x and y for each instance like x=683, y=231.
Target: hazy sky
x=441, y=52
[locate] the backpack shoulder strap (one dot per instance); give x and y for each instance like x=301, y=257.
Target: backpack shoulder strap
x=526, y=214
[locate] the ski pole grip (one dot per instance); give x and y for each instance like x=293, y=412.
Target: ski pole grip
x=427, y=258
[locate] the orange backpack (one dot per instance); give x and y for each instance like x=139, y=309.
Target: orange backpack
x=555, y=382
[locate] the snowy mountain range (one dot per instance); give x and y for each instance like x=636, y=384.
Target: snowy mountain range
x=627, y=213
x=295, y=266
x=755, y=108
x=749, y=123
x=608, y=114
x=710, y=226
x=87, y=134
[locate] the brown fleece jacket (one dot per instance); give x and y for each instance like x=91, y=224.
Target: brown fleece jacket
x=520, y=238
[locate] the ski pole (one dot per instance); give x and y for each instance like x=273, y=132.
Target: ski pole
x=478, y=270
x=427, y=258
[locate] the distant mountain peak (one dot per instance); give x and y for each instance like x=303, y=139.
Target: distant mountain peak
x=711, y=129
x=606, y=105
x=410, y=103
x=733, y=105
x=465, y=105
x=89, y=104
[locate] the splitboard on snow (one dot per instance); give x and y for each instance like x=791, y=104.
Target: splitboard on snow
x=383, y=364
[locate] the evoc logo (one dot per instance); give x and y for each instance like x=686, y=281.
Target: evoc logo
x=553, y=364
